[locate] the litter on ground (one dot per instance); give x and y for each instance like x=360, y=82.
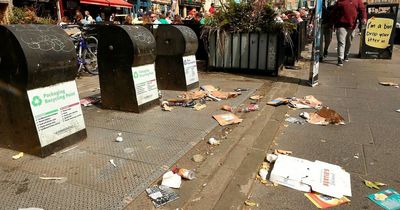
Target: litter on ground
x=389, y=84
x=172, y=180
x=374, y=185
x=318, y=176
x=161, y=195
x=388, y=199
x=227, y=119
x=325, y=116
x=323, y=201
x=18, y=156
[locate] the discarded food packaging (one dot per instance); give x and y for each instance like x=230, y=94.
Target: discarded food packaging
x=227, y=119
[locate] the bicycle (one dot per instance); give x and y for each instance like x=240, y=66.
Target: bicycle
x=86, y=49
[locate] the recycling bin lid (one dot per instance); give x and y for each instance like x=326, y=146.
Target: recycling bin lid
x=176, y=40
x=34, y=56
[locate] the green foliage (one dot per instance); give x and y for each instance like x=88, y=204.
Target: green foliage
x=26, y=16
x=247, y=16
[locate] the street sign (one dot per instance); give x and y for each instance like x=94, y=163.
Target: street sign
x=314, y=66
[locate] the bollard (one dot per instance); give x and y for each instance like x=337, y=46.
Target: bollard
x=40, y=111
x=176, y=66
x=127, y=74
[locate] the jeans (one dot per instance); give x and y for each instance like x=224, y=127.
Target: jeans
x=344, y=38
x=326, y=38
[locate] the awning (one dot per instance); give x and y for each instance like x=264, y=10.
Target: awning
x=112, y=3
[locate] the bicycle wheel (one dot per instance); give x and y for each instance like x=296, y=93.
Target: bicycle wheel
x=90, y=61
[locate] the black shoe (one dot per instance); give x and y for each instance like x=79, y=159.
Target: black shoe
x=325, y=54
x=346, y=58
x=340, y=62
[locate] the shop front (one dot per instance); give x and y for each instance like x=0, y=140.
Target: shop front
x=104, y=8
x=161, y=5
x=187, y=5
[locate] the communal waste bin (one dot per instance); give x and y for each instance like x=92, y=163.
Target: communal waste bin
x=378, y=36
x=176, y=66
x=40, y=111
x=127, y=74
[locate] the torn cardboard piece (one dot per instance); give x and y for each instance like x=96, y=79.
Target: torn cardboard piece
x=308, y=102
x=194, y=95
x=326, y=116
x=318, y=176
x=227, y=108
x=199, y=106
x=225, y=95
x=227, y=119
x=208, y=88
x=256, y=97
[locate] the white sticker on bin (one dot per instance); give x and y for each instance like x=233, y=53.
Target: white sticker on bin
x=56, y=111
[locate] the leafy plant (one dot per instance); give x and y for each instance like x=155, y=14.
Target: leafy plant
x=247, y=16
x=27, y=16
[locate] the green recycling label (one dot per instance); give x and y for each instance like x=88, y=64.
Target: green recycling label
x=145, y=81
x=56, y=111
x=190, y=66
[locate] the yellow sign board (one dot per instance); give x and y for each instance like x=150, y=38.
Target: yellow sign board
x=378, y=32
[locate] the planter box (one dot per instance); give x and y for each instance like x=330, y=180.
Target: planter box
x=249, y=52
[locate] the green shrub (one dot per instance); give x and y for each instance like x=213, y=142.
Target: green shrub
x=27, y=16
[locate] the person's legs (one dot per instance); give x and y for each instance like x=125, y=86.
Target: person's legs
x=341, y=40
x=327, y=39
x=349, y=40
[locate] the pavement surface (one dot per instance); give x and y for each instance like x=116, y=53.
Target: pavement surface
x=367, y=146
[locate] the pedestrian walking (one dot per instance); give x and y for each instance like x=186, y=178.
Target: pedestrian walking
x=344, y=18
x=326, y=29
x=99, y=19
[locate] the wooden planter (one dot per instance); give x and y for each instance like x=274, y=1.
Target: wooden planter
x=247, y=52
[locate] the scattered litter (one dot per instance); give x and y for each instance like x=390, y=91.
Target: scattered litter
x=250, y=203
x=89, y=101
x=241, y=89
x=295, y=120
x=389, y=84
x=213, y=141
x=227, y=108
x=205, y=184
x=227, y=119
x=271, y=158
x=326, y=116
x=208, y=88
x=374, y=185
x=278, y=101
x=172, y=180
x=249, y=108
x=69, y=149
x=165, y=106
x=187, y=174
x=199, y=106
x=357, y=155
x=256, y=97
x=263, y=173
x=193, y=95
x=182, y=103
x=308, y=102
x=304, y=175
x=225, y=95
x=52, y=178
x=388, y=199
x=398, y=110
x=196, y=199
x=198, y=158
x=213, y=97
x=305, y=115
x=323, y=201
x=112, y=162
x=18, y=156
x=282, y=152
x=323, y=140
x=119, y=138
x=161, y=195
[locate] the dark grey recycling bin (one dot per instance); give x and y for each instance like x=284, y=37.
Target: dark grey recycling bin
x=127, y=75
x=40, y=111
x=176, y=61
